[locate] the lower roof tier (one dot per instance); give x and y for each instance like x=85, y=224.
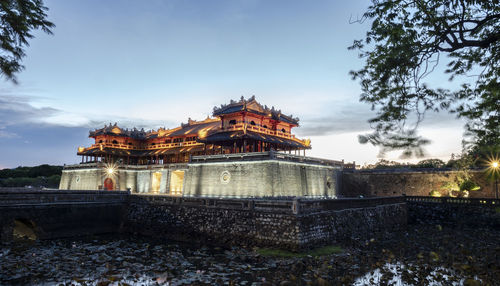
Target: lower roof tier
x=229, y=137
x=141, y=153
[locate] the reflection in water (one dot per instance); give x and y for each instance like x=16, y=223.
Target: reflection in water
x=398, y=274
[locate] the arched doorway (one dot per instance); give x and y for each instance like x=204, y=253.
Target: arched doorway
x=176, y=181
x=108, y=184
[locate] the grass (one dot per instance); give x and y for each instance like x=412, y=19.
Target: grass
x=271, y=252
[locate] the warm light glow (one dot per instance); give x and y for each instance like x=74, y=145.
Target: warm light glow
x=110, y=171
x=493, y=166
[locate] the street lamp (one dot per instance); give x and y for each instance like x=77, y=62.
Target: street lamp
x=494, y=166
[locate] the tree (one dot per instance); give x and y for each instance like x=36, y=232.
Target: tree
x=18, y=18
x=430, y=163
x=405, y=44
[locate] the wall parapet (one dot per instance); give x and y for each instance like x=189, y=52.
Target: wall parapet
x=294, y=206
x=454, y=201
x=454, y=211
x=268, y=155
x=23, y=197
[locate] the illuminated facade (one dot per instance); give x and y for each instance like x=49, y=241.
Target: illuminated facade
x=239, y=127
x=245, y=150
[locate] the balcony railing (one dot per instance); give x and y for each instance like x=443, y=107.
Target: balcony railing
x=236, y=127
x=149, y=147
x=259, y=129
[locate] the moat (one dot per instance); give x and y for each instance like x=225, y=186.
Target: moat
x=420, y=255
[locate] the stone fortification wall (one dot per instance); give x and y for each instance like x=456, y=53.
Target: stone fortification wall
x=344, y=220
x=280, y=223
x=56, y=213
x=137, y=179
x=82, y=179
x=454, y=211
x=412, y=183
x=235, y=177
x=266, y=178
x=223, y=221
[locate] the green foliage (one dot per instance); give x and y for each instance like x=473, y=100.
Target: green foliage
x=430, y=163
x=331, y=249
x=469, y=185
x=406, y=41
x=31, y=172
x=18, y=18
x=424, y=164
x=435, y=193
x=38, y=176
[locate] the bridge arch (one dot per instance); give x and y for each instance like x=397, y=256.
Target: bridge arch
x=24, y=229
x=19, y=228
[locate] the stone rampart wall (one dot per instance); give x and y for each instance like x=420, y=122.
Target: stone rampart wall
x=412, y=183
x=268, y=178
x=290, y=224
x=454, y=211
x=56, y=213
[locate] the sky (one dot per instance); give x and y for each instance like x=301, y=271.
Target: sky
x=156, y=63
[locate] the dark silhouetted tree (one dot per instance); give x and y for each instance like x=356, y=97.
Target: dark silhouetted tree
x=405, y=44
x=18, y=19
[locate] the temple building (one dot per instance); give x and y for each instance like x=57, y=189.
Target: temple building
x=239, y=127
x=245, y=150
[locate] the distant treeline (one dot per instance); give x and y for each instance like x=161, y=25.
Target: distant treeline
x=424, y=164
x=38, y=176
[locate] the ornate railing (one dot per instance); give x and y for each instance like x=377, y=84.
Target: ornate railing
x=149, y=147
x=259, y=129
x=103, y=165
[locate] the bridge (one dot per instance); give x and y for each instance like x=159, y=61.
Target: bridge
x=45, y=214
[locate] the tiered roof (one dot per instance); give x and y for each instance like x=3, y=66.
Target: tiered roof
x=114, y=130
x=191, y=127
x=251, y=105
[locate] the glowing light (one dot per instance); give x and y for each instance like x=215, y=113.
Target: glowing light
x=494, y=164
x=110, y=170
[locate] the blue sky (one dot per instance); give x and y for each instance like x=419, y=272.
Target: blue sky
x=156, y=63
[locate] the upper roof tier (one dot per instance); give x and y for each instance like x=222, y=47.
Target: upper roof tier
x=251, y=105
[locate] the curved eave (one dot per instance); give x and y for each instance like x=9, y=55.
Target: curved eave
x=239, y=135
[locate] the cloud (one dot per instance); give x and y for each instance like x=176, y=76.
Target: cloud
x=348, y=119
x=7, y=134
x=354, y=118
x=18, y=110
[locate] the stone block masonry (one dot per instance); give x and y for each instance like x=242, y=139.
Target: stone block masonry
x=292, y=224
x=55, y=213
x=454, y=211
x=396, y=182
